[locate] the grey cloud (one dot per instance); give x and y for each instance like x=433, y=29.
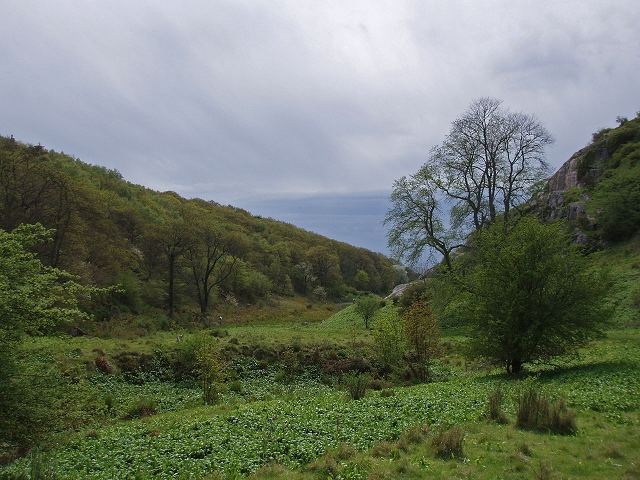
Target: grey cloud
x=233, y=100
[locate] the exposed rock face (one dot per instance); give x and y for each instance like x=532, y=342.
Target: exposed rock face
x=564, y=196
x=397, y=291
x=567, y=175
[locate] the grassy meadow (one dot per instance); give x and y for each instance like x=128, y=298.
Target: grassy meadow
x=274, y=423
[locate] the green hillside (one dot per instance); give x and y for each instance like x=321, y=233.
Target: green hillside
x=109, y=231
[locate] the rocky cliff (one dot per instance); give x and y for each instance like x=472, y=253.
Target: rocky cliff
x=568, y=192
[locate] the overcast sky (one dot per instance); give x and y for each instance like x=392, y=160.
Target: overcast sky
x=303, y=110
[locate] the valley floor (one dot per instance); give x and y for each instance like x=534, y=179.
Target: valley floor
x=270, y=425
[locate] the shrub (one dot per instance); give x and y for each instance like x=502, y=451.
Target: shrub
x=211, y=371
x=103, y=365
x=494, y=406
x=356, y=384
x=390, y=339
x=423, y=337
x=536, y=412
x=415, y=292
x=142, y=407
x=449, y=444
x=412, y=436
x=562, y=419
x=235, y=386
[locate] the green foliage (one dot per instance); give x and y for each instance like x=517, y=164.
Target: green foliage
x=142, y=407
x=415, y=292
x=531, y=295
x=423, y=338
x=356, y=384
x=108, y=231
x=616, y=202
x=293, y=424
x=211, y=370
x=33, y=299
x=366, y=307
x=390, y=338
x=361, y=280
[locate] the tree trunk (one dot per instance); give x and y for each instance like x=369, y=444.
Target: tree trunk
x=514, y=366
x=171, y=291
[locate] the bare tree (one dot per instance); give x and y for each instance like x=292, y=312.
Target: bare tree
x=415, y=219
x=485, y=167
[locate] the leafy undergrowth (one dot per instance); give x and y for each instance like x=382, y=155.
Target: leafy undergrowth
x=292, y=429
x=622, y=263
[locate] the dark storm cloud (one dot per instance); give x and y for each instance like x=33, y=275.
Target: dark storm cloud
x=239, y=100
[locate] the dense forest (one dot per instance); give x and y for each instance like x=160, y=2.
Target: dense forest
x=167, y=252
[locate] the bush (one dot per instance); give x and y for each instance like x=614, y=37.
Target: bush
x=532, y=295
x=103, y=364
x=494, y=406
x=423, y=337
x=616, y=203
x=415, y=292
x=449, y=444
x=390, y=339
x=536, y=412
x=235, y=386
x=142, y=407
x=211, y=371
x=356, y=384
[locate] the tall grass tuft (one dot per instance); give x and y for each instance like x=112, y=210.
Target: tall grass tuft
x=536, y=412
x=449, y=444
x=494, y=407
x=356, y=384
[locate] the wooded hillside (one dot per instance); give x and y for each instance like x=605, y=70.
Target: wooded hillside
x=167, y=251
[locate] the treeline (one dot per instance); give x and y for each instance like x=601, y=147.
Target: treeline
x=166, y=251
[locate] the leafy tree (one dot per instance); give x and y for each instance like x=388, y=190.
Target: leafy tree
x=423, y=337
x=304, y=277
x=174, y=240
x=361, y=280
x=33, y=298
x=107, y=229
x=212, y=256
x=367, y=307
x=530, y=296
x=326, y=267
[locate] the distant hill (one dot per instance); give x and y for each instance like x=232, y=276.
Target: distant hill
x=108, y=230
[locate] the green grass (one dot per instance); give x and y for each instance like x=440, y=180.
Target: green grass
x=348, y=320
x=294, y=428
x=622, y=262
x=305, y=429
